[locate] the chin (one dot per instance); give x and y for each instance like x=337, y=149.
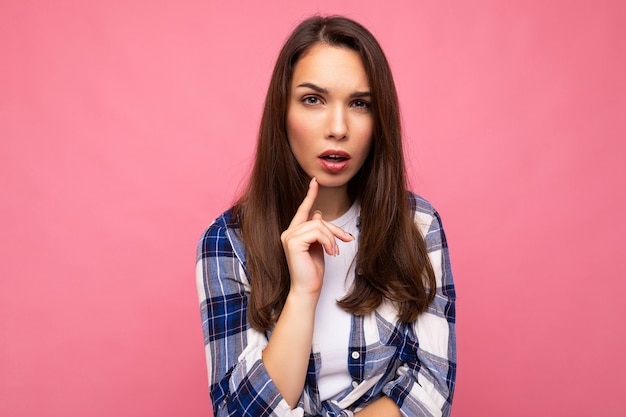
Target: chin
x=333, y=181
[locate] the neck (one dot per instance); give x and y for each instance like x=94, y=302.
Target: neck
x=332, y=202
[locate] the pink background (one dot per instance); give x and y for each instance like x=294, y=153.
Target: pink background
x=127, y=126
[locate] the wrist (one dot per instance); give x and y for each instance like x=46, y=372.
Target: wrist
x=302, y=300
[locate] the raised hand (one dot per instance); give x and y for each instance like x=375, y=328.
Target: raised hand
x=304, y=243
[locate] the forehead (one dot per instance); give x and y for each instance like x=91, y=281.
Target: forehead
x=325, y=63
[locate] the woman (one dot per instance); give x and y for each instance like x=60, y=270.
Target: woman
x=340, y=302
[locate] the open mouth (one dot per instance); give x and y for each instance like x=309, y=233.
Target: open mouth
x=334, y=158
x=335, y=155
x=334, y=161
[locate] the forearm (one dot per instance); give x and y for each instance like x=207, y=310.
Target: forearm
x=383, y=407
x=286, y=356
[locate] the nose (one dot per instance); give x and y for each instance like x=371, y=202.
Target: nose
x=337, y=124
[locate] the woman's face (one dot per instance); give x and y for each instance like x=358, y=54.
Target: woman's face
x=329, y=117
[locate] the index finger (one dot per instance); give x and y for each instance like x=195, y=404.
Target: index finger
x=303, y=212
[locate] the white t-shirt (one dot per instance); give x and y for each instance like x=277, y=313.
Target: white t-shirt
x=332, y=324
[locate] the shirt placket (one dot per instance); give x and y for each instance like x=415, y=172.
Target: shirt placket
x=357, y=351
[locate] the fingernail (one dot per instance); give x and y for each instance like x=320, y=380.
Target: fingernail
x=312, y=181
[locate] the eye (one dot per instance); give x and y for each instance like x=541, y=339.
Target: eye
x=362, y=104
x=311, y=100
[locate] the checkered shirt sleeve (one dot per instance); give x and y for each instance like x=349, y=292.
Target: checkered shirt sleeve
x=425, y=380
x=239, y=384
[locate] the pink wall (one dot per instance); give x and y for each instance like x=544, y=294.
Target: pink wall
x=126, y=126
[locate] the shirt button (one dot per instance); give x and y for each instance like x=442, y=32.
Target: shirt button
x=355, y=384
x=356, y=355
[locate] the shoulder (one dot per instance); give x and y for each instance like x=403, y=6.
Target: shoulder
x=420, y=205
x=217, y=238
x=424, y=214
x=428, y=222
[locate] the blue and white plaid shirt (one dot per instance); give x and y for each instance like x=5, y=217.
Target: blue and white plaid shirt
x=414, y=364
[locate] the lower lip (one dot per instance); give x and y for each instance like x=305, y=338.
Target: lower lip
x=334, y=166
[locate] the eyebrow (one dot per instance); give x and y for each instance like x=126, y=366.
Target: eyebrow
x=318, y=89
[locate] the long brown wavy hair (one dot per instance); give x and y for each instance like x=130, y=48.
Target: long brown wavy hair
x=392, y=262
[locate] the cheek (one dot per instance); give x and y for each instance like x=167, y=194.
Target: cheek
x=367, y=149
x=297, y=129
x=290, y=130
x=367, y=140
